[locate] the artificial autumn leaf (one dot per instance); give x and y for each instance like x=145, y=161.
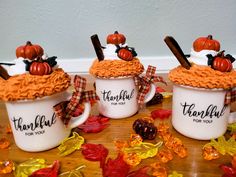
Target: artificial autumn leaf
x=94, y=124
x=141, y=172
x=71, y=144
x=229, y=171
x=223, y=146
x=95, y=152
x=232, y=128
x=73, y=173
x=161, y=113
x=48, y=171
x=144, y=150
x=6, y=166
x=28, y=167
x=116, y=167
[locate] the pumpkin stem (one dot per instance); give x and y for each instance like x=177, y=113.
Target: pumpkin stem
x=221, y=53
x=28, y=43
x=116, y=32
x=209, y=37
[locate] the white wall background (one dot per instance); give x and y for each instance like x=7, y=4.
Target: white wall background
x=63, y=27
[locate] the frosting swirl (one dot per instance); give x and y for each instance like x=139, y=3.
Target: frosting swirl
x=203, y=77
x=27, y=86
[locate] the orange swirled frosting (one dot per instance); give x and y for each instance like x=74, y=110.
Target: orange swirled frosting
x=27, y=86
x=203, y=77
x=116, y=68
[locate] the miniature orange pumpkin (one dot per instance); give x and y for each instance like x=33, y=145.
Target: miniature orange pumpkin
x=125, y=54
x=29, y=51
x=221, y=63
x=116, y=38
x=40, y=68
x=206, y=43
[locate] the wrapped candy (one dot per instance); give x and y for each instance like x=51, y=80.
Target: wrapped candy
x=71, y=144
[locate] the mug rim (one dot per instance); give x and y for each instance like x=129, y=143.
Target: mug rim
x=115, y=78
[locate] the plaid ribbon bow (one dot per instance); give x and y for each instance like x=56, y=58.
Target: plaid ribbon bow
x=230, y=96
x=144, y=83
x=64, y=110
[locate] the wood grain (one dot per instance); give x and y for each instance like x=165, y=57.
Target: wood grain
x=192, y=166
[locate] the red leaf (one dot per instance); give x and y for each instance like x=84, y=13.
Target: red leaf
x=161, y=113
x=228, y=170
x=116, y=167
x=94, y=124
x=47, y=172
x=95, y=152
x=159, y=90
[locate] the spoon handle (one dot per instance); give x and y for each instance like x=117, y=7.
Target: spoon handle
x=3, y=73
x=177, y=51
x=97, y=47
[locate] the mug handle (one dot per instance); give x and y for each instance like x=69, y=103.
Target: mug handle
x=150, y=94
x=232, y=117
x=76, y=121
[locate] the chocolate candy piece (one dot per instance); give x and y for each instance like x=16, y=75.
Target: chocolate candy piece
x=97, y=47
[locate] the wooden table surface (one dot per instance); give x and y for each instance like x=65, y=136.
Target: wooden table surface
x=192, y=166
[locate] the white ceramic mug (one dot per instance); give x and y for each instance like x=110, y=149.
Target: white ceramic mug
x=35, y=126
x=118, y=97
x=200, y=113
